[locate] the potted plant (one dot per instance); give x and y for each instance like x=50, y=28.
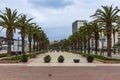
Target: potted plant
x=76, y=60
x=47, y=58
x=90, y=58
x=24, y=58
x=60, y=59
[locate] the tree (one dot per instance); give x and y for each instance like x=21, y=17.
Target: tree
x=88, y=32
x=107, y=14
x=23, y=23
x=36, y=33
x=30, y=31
x=84, y=37
x=114, y=30
x=8, y=20
x=97, y=29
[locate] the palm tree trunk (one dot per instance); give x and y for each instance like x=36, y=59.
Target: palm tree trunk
x=40, y=46
x=30, y=46
x=81, y=45
x=85, y=46
x=96, y=43
x=96, y=46
x=109, y=28
x=81, y=48
x=9, y=34
x=23, y=45
x=114, y=43
x=9, y=47
x=37, y=46
x=88, y=45
x=34, y=44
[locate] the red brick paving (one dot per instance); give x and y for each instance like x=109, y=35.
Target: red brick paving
x=59, y=73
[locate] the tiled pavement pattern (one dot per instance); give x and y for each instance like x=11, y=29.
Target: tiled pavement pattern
x=67, y=62
x=59, y=73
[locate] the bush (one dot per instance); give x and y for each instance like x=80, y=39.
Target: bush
x=105, y=58
x=16, y=58
x=3, y=55
x=60, y=59
x=24, y=58
x=90, y=58
x=47, y=58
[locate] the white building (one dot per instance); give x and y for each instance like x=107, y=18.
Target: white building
x=102, y=41
x=16, y=45
x=77, y=24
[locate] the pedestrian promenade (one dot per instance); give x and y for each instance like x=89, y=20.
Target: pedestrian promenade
x=67, y=62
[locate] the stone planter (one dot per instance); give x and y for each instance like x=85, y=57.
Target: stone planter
x=76, y=60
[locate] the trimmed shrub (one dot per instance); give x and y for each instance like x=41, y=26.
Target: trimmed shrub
x=47, y=58
x=24, y=58
x=90, y=58
x=60, y=59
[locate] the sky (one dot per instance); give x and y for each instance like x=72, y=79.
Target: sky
x=56, y=16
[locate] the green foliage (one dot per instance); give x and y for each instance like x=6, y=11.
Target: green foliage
x=90, y=58
x=3, y=55
x=13, y=58
x=47, y=58
x=60, y=59
x=24, y=58
x=105, y=58
x=40, y=52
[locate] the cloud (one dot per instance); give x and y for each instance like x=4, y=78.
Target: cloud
x=51, y=3
x=56, y=16
x=58, y=33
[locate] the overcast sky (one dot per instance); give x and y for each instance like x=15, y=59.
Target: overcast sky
x=56, y=16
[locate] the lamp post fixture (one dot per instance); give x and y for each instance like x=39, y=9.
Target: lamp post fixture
x=102, y=39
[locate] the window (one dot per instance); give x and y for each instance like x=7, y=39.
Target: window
x=118, y=39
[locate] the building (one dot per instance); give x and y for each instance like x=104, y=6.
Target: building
x=16, y=44
x=77, y=24
x=102, y=40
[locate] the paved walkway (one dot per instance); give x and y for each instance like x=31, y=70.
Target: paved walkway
x=67, y=62
x=59, y=73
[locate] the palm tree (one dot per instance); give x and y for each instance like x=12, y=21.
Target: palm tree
x=30, y=29
x=42, y=40
x=23, y=23
x=97, y=29
x=35, y=35
x=84, y=38
x=108, y=15
x=115, y=29
x=8, y=20
x=88, y=31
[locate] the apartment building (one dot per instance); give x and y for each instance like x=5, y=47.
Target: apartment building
x=16, y=44
x=102, y=40
x=77, y=24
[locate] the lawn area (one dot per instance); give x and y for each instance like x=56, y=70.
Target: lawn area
x=102, y=58
x=20, y=57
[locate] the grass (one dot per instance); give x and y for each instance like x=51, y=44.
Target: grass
x=105, y=58
x=3, y=55
x=20, y=56
x=101, y=57
x=14, y=58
